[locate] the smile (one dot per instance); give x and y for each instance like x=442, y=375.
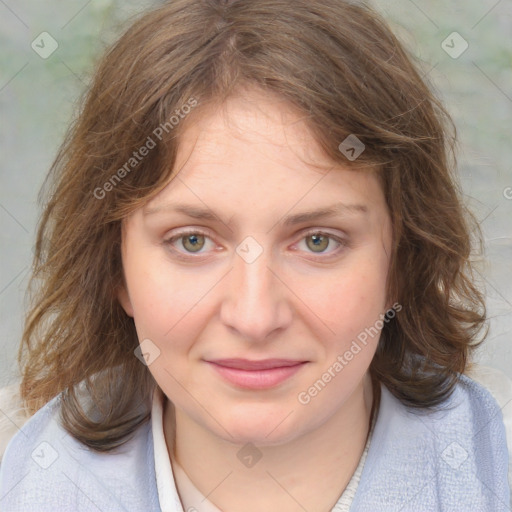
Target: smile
x=256, y=374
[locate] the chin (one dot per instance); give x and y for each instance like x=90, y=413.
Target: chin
x=259, y=428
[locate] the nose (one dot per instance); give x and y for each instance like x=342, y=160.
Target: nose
x=256, y=304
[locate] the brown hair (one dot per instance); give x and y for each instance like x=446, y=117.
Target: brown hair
x=339, y=64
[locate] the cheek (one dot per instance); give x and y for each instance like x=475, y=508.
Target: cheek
x=150, y=304
x=168, y=305
x=349, y=299
x=170, y=318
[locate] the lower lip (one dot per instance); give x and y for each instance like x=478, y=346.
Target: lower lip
x=257, y=379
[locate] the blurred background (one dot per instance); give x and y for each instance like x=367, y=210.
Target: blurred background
x=46, y=57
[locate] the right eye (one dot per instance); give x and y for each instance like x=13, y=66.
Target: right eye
x=192, y=241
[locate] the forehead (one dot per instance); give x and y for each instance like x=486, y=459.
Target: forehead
x=263, y=123
x=259, y=149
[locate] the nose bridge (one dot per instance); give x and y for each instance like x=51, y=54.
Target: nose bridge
x=253, y=280
x=254, y=303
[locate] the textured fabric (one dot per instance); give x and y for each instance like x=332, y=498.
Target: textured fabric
x=500, y=387
x=44, y=469
x=452, y=460
x=169, y=471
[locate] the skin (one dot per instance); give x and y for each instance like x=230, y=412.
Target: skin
x=253, y=162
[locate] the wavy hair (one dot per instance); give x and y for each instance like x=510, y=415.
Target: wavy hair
x=340, y=64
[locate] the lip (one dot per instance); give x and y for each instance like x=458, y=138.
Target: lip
x=262, y=374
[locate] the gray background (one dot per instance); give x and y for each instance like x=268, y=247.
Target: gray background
x=38, y=97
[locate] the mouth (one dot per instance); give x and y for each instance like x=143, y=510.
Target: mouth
x=262, y=374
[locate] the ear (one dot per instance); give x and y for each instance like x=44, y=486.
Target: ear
x=124, y=300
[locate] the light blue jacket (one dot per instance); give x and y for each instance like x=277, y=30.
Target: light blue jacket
x=452, y=460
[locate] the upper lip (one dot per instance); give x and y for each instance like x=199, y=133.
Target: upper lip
x=264, y=364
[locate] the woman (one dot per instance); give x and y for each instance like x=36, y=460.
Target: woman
x=256, y=280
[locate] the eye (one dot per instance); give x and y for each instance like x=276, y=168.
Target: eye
x=192, y=241
x=318, y=242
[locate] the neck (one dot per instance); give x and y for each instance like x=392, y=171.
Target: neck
x=309, y=472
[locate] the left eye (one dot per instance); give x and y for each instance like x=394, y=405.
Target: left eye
x=194, y=241
x=318, y=241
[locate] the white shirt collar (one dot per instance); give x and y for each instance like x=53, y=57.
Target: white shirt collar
x=170, y=477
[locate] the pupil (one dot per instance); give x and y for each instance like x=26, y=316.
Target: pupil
x=320, y=241
x=191, y=242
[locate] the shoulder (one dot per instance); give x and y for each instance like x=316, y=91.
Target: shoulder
x=471, y=411
x=472, y=397
x=453, y=457
x=500, y=386
x=47, y=469
x=34, y=448
x=482, y=397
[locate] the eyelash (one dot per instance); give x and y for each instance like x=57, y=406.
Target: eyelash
x=190, y=256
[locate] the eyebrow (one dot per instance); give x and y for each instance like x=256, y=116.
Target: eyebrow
x=200, y=213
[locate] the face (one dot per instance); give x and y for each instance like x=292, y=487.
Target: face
x=224, y=265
